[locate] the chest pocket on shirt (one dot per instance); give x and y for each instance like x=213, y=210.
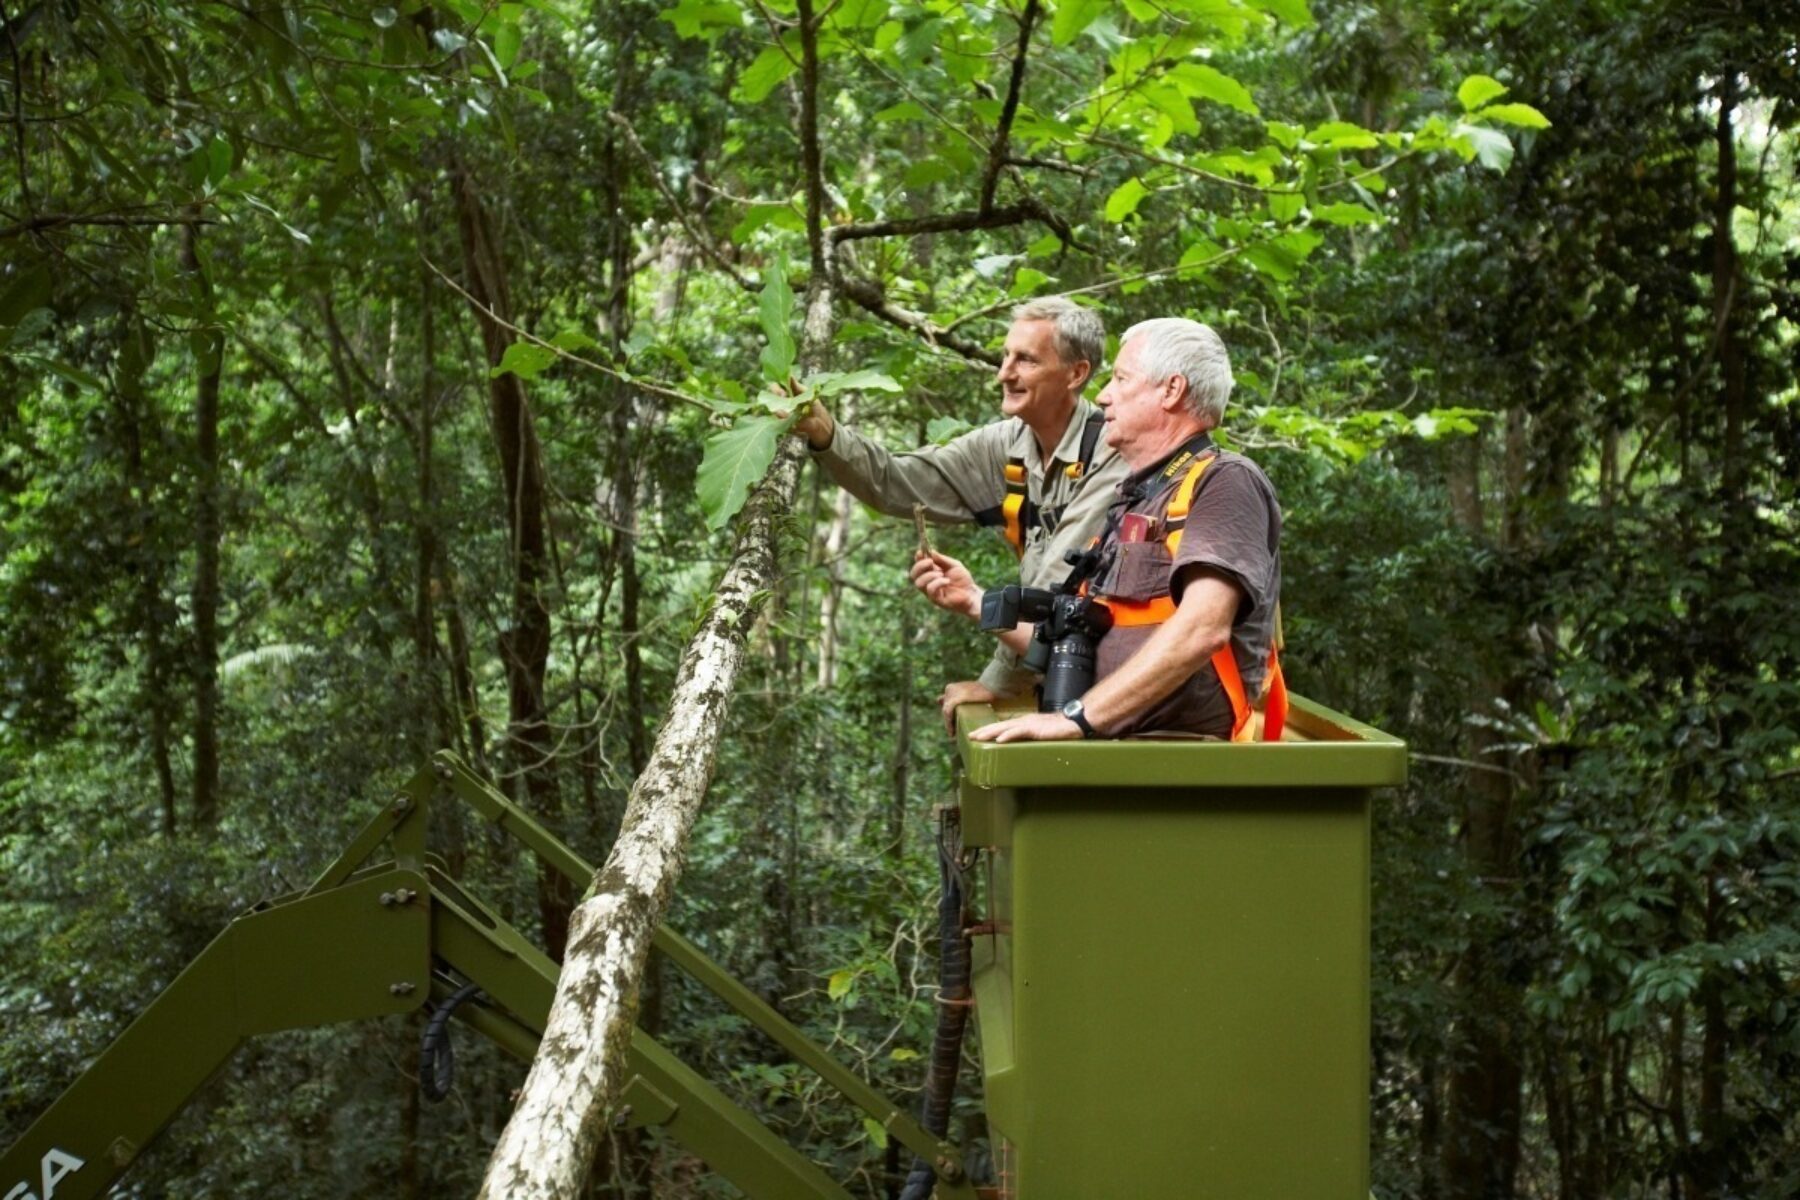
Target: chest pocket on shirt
x=1140, y=572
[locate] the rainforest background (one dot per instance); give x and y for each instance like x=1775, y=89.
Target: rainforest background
x=357, y=363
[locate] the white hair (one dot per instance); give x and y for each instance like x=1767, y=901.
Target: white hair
x=1177, y=346
x=1080, y=337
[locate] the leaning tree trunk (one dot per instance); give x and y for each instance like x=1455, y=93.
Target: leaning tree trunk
x=558, y=1125
x=548, y=1147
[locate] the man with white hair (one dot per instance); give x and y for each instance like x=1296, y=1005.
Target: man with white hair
x=1040, y=476
x=1190, y=561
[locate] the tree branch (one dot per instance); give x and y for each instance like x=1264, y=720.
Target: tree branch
x=1009, y=109
x=39, y=224
x=869, y=296
x=812, y=162
x=1027, y=209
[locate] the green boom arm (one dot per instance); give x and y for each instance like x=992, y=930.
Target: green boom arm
x=371, y=942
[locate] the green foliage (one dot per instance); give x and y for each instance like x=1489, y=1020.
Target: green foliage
x=1478, y=346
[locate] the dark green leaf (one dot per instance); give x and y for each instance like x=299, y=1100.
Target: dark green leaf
x=735, y=460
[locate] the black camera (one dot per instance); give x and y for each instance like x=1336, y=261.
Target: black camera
x=1069, y=625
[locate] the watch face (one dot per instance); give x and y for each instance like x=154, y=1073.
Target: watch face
x=1072, y=709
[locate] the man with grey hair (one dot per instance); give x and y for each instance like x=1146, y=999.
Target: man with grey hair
x=1040, y=476
x=1190, y=559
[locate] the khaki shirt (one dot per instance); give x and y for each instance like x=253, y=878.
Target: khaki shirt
x=964, y=480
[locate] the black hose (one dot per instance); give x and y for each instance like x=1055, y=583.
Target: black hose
x=437, y=1064
x=953, y=1004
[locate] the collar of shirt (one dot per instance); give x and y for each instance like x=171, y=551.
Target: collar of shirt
x=1068, y=449
x=1151, y=479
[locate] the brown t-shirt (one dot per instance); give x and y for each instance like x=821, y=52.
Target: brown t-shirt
x=1233, y=530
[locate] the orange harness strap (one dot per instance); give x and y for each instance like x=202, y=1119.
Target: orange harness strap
x=1012, y=508
x=1155, y=611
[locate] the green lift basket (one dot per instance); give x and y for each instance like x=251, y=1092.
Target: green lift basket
x=1172, y=982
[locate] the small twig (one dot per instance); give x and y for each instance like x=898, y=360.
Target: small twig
x=1473, y=766
x=1275, y=343
x=1176, y=164
x=701, y=240
x=924, y=533
x=1105, y=285
x=775, y=24
x=636, y=381
x=1050, y=164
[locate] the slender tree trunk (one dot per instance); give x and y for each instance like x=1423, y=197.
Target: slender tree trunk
x=467, y=700
x=836, y=535
x=151, y=617
x=1484, y=1080
x=525, y=646
x=899, y=802
x=430, y=721
x=209, y=348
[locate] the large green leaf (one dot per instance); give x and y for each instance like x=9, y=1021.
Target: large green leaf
x=735, y=460
x=524, y=359
x=1522, y=115
x=1208, y=83
x=759, y=79
x=1073, y=16
x=1478, y=90
x=1124, y=200
x=777, y=312
x=1344, y=213
x=1493, y=148
x=830, y=383
x=705, y=19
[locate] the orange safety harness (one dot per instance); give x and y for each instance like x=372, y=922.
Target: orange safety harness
x=1130, y=613
x=1015, y=507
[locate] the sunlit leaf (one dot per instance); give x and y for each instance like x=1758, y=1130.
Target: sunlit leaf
x=831, y=383
x=575, y=339
x=527, y=360
x=1073, y=16
x=1478, y=90
x=759, y=79
x=1124, y=200
x=1207, y=83
x=1344, y=213
x=1522, y=115
x=1492, y=147
x=777, y=311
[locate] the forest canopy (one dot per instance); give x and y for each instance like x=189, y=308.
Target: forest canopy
x=380, y=379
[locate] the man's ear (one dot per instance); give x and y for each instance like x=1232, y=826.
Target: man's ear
x=1174, y=393
x=1080, y=373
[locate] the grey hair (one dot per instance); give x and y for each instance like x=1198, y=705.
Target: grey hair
x=1079, y=334
x=1177, y=346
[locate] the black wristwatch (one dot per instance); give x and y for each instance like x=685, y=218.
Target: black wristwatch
x=1076, y=713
